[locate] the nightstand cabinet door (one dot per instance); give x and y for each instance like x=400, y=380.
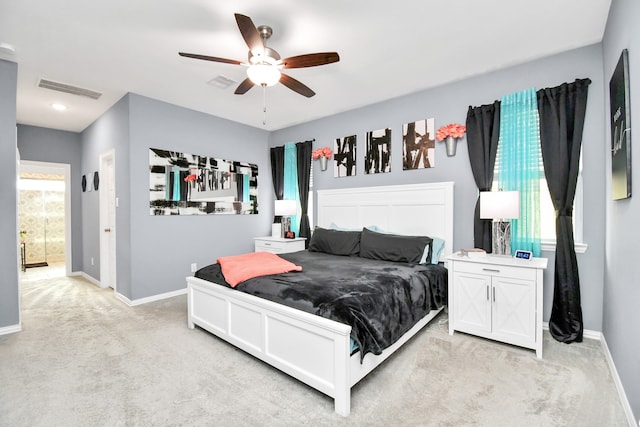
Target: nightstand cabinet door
x=514, y=311
x=472, y=310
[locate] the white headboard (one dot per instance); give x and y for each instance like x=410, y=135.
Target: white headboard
x=412, y=209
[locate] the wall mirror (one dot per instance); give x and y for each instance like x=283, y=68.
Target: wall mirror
x=190, y=184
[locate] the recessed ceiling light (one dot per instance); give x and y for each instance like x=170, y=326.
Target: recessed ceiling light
x=58, y=107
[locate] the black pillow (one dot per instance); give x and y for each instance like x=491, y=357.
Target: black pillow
x=335, y=242
x=393, y=247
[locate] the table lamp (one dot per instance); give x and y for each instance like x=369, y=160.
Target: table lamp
x=499, y=206
x=284, y=209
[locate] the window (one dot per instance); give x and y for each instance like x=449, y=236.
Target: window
x=548, y=214
x=519, y=161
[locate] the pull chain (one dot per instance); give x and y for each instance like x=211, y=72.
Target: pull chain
x=264, y=105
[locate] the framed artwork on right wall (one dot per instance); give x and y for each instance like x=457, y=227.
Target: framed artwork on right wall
x=620, y=129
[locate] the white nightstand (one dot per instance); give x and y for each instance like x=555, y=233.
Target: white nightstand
x=497, y=297
x=278, y=245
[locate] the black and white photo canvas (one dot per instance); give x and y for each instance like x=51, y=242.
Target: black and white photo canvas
x=344, y=156
x=620, y=130
x=190, y=184
x=418, y=144
x=378, y=151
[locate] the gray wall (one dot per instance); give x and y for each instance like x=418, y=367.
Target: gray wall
x=622, y=279
x=109, y=132
x=9, y=290
x=57, y=146
x=449, y=104
x=154, y=253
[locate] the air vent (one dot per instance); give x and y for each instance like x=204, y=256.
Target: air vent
x=221, y=82
x=74, y=90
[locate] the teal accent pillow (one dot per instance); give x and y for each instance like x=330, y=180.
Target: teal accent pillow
x=436, y=250
x=335, y=226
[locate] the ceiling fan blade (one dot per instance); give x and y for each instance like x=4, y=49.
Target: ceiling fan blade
x=310, y=60
x=296, y=86
x=210, y=58
x=244, y=86
x=249, y=32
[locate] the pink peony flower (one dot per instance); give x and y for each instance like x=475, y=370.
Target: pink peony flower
x=454, y=129
x=322, y=152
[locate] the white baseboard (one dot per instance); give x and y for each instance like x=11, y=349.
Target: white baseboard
x=10, y=329
x=616, y=379
x=146, y=300
x=126, y=300
x=87, y=277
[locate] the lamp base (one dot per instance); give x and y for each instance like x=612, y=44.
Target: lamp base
x=501, y=238
x=286, y=225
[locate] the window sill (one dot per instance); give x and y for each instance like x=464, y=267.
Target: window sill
x=550, y=246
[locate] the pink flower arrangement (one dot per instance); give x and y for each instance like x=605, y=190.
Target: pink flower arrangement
x=322, y=152
x=453, y=129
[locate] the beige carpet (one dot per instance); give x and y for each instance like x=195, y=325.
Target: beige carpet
x=86, y=359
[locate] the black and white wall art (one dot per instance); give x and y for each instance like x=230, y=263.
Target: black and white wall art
x=378, y=151
x=418, y=144
x=620, y=130
x=344, y=155
x=190, y=184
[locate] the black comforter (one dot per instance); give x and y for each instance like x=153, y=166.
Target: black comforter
x=381, y=300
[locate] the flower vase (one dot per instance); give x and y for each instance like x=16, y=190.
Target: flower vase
x=323, y=163
x=451, y=143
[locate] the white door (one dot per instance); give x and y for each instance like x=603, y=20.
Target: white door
x=107, y=189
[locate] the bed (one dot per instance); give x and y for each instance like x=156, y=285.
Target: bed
x=322, y=356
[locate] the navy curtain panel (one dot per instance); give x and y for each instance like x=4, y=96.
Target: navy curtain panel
x=277, y=174
x=303, y=154
x=483, y=130
x=562, y=111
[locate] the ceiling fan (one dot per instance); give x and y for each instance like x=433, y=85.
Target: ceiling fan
x=264, y=63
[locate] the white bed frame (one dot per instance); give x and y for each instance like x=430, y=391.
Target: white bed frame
x=311, y=348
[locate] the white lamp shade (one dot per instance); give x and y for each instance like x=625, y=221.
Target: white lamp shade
x=264, y=74
x=499, y=204
x=285, y=207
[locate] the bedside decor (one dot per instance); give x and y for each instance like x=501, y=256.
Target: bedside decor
x=450, y=134
x=500, y=205
x=323, y=154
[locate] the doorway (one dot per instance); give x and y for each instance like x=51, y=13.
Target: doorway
x=44, y=215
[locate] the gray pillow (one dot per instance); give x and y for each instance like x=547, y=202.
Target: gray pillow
x=394, y=247
x=335, y=242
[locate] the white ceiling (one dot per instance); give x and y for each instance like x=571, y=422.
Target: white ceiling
x=387, y=49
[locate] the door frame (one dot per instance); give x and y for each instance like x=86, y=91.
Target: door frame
x=50, y=168
x=107, y=253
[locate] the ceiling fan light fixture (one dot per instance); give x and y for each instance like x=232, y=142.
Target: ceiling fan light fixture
x=264, y=75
